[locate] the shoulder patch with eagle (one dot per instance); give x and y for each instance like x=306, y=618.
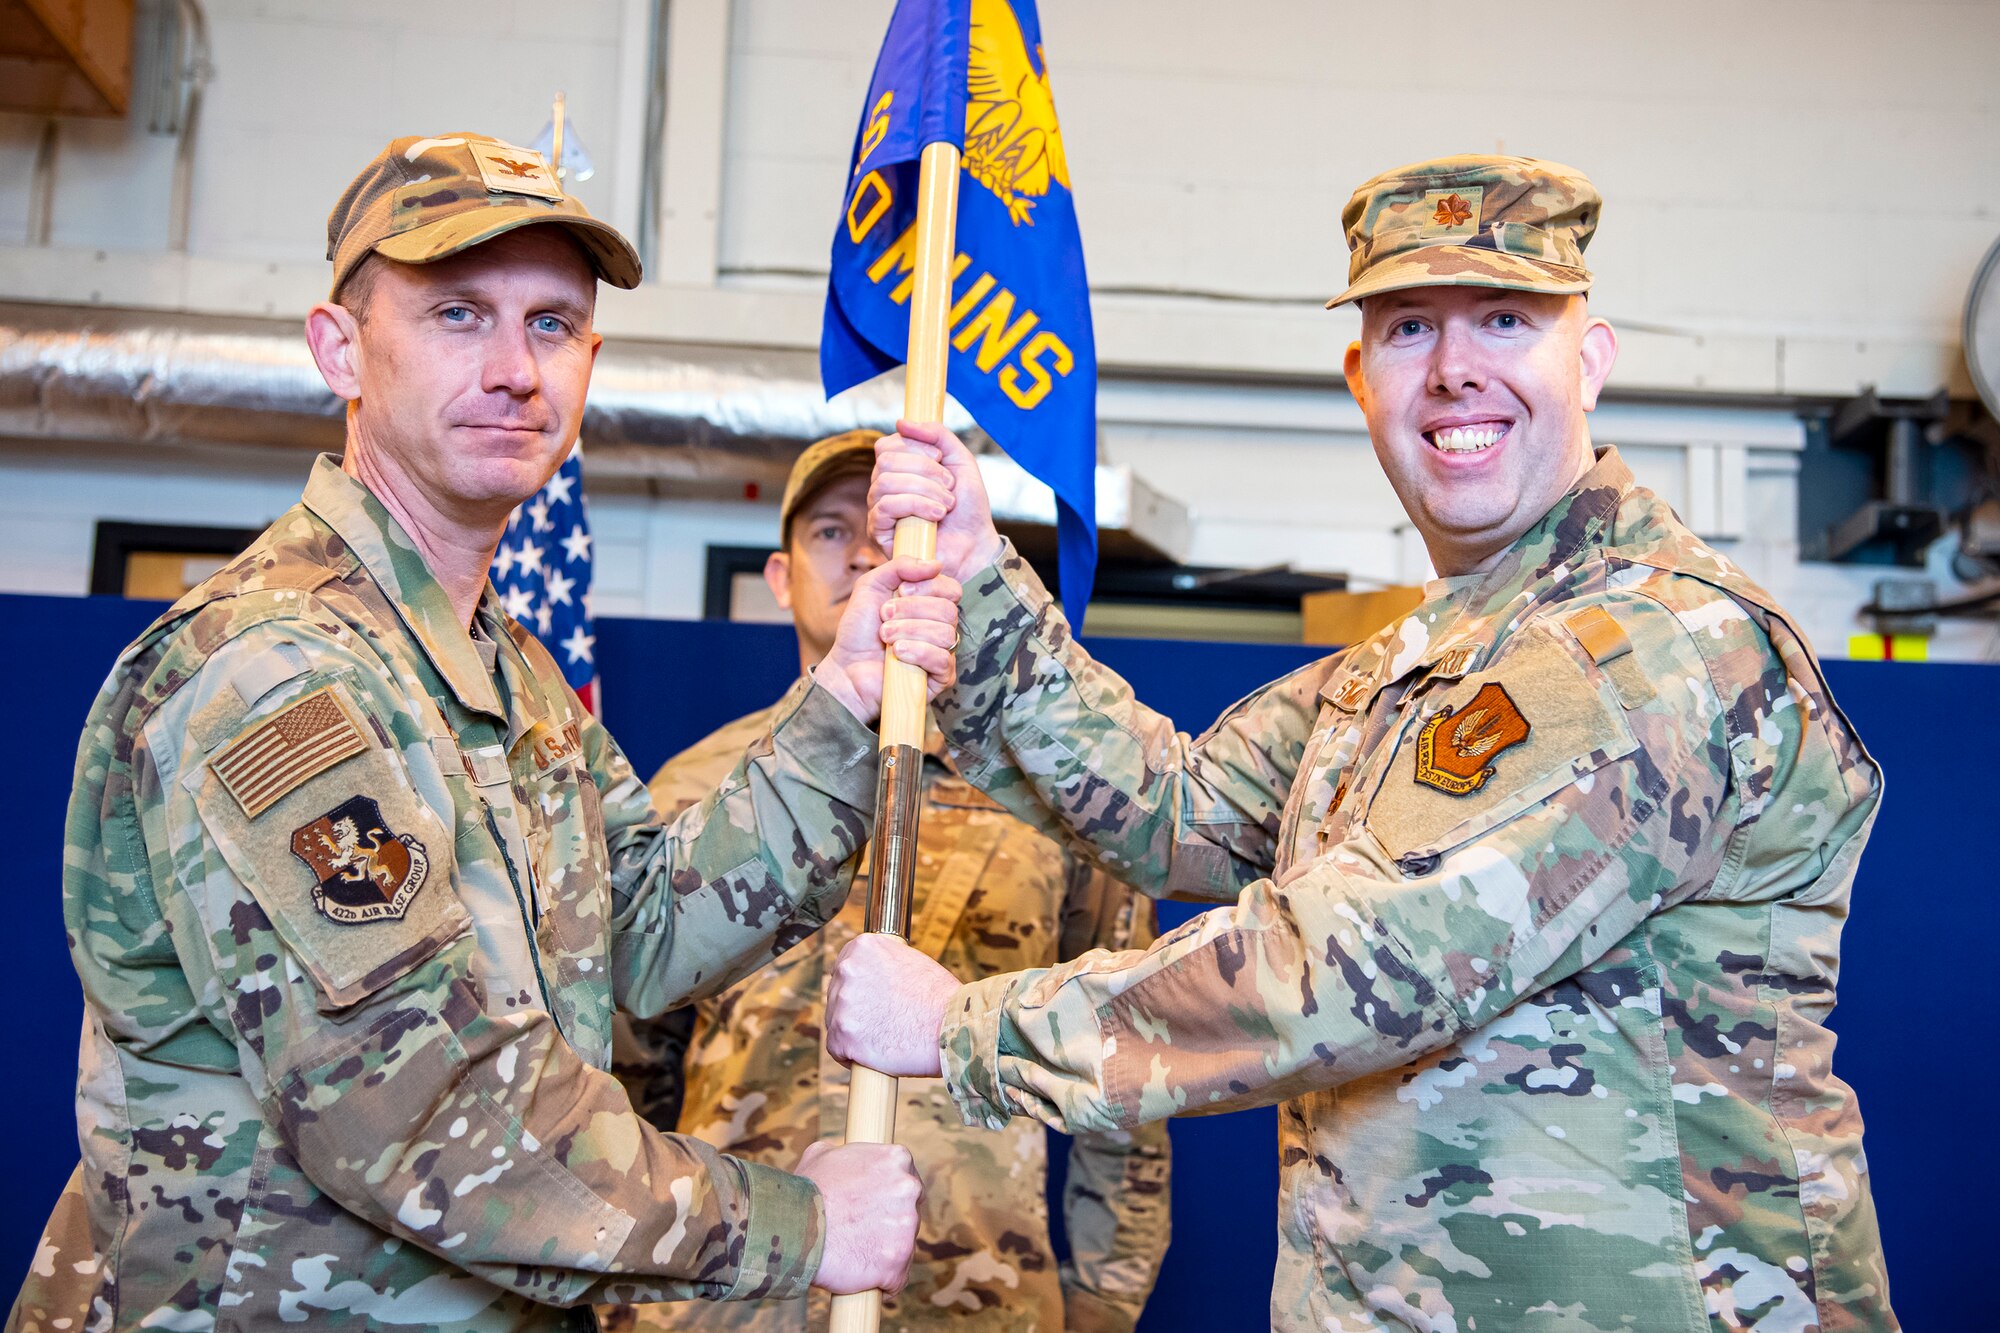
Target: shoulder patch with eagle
x=1495, y=744
x=1457, y=749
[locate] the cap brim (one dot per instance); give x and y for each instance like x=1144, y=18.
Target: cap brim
x=612, y=255
x=1465, y=266
x=857, y=460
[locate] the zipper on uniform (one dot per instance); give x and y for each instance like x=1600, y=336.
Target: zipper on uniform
x=521, y=901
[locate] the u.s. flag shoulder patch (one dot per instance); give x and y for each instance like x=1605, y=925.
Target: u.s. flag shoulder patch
x=300, y=741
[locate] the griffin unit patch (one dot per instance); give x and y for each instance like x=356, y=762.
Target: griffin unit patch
x=365, y=871
x=1459, y=761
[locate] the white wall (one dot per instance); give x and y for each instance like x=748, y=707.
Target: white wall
x=303, y=95
x=1798, y=192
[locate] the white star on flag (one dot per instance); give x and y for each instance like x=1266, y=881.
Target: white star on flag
x=547, y=589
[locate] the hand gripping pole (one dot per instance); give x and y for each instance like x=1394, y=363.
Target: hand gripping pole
x=871, y=1098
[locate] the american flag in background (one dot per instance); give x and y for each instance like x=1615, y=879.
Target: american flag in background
x=542, y=572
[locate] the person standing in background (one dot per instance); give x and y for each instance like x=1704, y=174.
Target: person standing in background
x=746, y=1070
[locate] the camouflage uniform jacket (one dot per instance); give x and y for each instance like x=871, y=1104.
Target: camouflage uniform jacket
x=1536, y=904
x=991, y=895
x=328, y=1069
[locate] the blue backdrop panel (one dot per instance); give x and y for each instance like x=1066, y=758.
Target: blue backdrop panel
x=1911, y=988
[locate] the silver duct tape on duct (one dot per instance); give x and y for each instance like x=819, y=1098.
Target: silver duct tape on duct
x=700, y=416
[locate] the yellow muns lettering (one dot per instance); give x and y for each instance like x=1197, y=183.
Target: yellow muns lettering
x=876, y=191
x=1031, y=361
x=973, y=295
x=991, y=325
x=878, y=126
x=900, y=257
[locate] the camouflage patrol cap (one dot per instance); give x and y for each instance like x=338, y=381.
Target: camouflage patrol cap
x=1470, y=221
x=425, y=197
x=848, y=453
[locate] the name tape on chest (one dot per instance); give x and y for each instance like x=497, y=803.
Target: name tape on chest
x=1347, y=696
x=551, y=743
x=300, y=741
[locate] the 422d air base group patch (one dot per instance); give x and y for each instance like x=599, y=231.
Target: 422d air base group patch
x=365, y=870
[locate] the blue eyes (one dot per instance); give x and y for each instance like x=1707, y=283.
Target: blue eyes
x=1506, y=321
x=549, y=326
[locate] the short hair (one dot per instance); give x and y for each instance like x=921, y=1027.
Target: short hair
x=358, y=287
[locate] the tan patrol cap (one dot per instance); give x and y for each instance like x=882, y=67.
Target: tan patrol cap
x=423, y=198
x=849, y=453
x=1470, y=221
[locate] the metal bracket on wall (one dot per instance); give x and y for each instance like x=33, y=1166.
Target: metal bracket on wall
x=1902, y=517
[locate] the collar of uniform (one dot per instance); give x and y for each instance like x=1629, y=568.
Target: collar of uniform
x=392, y=560
x=531, y=697
x=1420, y=638
x=1454, y=630
x=1579, y=519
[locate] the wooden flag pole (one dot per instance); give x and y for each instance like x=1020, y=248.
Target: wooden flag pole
x=871, y=1097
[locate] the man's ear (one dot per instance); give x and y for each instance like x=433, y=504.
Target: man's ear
x=778, y=576
x=1350, y=366
x=1595, y=357
x=335, y=340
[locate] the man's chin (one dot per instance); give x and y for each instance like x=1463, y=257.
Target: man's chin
x=1479, y=532
x=497, y=484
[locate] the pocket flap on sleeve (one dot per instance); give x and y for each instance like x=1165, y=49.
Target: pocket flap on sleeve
x=1495, y=744
x=351, y=865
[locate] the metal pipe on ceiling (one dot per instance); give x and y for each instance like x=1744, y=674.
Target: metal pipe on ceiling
x=73, y=373
x=720, y=420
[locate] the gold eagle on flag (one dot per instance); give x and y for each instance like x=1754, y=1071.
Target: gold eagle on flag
x=1013, y=145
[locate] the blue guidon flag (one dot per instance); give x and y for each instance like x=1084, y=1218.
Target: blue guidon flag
x=1023, y=359
x=542, y=572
